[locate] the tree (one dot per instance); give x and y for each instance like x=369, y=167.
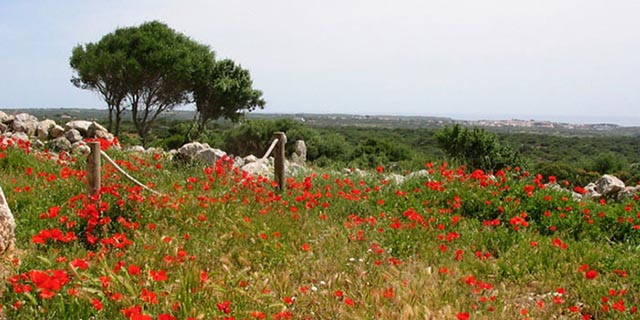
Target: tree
x=100, y=68
x=224, y=90
x=150, y=67
x=476, y=148
x=159, y=77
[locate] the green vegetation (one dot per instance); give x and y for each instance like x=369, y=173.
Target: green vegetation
x=150, y=69
x=447, y=243
x=476, y=148
x=579, y=159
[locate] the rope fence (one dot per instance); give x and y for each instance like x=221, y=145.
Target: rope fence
x=93, y=170
x=93, y=165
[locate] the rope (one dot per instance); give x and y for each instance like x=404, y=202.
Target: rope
x=115, y=165
x=273, y=145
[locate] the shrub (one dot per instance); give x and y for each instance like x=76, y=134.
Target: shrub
x=476, y=148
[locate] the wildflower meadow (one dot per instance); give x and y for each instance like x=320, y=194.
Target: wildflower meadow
x=447, y=243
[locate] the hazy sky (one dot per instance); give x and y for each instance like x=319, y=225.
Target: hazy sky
x=491, y=58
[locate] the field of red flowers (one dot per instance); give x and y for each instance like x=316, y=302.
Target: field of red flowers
x=448, y=243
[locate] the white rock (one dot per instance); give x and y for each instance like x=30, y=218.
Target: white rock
x=189, y=150
x=73, y=136
x=60, y=144
x=95, y=130
x=26, y=123
x=43, y=129
x=7, y=225
x=81, y=148
x=56, y=131
x=250, y=158
x=209, y=156
x=259, y=168
x=81, y=125
x=138, y=149
x=5, y=118
x=609, y=185
x=20, y=136
x=395, y=178
x=628, y=192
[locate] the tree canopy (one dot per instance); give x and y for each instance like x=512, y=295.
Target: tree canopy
x=151, y=68
x=476, y=148
x=226, y=91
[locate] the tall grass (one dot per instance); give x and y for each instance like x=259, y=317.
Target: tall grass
x=221, y=244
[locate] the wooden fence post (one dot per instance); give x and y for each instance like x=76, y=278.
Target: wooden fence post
x=93, y=169
x=279, y=159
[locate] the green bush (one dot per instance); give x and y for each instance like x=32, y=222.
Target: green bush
x=476, y=148
x=607, y=162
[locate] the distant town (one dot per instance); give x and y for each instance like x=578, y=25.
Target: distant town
x=382, y=121
x=426, y=121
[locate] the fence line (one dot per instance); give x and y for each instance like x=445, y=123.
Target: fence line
x=273, y=145
x=93, y=165
x=93, y=170
x=132, y=179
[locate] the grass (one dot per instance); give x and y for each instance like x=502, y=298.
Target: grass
x=220, y=244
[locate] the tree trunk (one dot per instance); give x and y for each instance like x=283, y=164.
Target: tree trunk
x=116, y=130
x=110, y=123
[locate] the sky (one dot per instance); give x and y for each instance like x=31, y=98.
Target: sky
x=493, y=59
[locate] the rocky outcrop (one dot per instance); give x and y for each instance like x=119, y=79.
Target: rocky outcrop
x=24, y=122
x=43, y=130
x=260, y=167
x=300, y=154
x=607, y=186
x=81, y=125
x=7, y=225
x=201, y=152
x=70, y=137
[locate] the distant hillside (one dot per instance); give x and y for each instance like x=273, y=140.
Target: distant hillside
x=379, y=121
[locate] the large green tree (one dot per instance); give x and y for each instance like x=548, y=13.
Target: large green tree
x=476, y=148
x=151, y=69
x=100, y=67
x=223, y=90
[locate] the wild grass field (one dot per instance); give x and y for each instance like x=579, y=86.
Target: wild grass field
x=448, y=243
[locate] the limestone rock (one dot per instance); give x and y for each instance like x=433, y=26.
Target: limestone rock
x=80, y=147
x=56, y=131
x=26, y=123
x=139, y=149
x=609, y=185
x=153, y=150
x=592, y=191
x=628, y=192
x=259, y=168
x=7, y=225
x=419, y=173
x=5, y=118
x=36, y=143
x=250, y=158
x=20, y=136
x=188, y=151
x=73, y=136
x=60, y=144
x=395, y=178
x=95, y=130
x=3, y=127
x=209, y=155
x=81, y=125
x=554, y=186
x=44, y=127
x=300, y=154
